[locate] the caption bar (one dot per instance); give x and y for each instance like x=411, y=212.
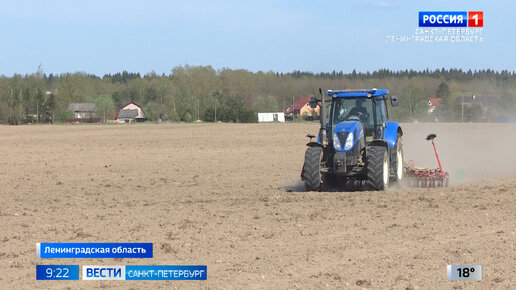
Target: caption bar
x=154, y=272
x=94, y=250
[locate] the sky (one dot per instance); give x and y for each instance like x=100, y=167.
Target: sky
x=109, y=36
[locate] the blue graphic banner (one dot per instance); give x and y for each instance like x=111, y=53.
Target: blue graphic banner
x=443, y=19
x=159, y=272
x=57, y=272
x=94, y=250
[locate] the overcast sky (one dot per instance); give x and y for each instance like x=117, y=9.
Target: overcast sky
x=104, y=36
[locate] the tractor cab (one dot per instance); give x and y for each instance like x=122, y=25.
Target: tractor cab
x=368, y=107
x=370, y=113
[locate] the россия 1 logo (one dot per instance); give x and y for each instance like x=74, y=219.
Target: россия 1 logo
x=451, y=19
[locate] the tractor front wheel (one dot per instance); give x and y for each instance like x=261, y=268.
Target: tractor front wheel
x=312, y=169
x=378, y=168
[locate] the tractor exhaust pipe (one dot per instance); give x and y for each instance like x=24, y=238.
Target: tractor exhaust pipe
x=322, y=131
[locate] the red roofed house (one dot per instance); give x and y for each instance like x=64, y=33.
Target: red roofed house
x=432, y=102
x=301, y=107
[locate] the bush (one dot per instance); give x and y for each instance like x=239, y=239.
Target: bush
x=187, y=117
x=174, y=117
x=209, y=115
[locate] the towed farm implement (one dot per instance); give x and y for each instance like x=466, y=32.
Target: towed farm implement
x=426, y=177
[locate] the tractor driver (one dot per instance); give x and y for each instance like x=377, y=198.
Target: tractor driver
x=358, y=110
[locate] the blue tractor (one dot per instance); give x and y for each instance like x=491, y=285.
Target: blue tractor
x=356, y=143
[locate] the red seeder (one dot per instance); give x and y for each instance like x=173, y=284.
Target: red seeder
x=426, y=177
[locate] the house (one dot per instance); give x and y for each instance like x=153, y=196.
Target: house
x=82, y=113
x=469, y=103
x=432, y=102
x=82, y=110
x=301, y=107
x=484, y=101
x=130, y=112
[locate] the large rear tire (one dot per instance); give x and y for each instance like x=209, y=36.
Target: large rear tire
x=378, y=168
x=312, y=169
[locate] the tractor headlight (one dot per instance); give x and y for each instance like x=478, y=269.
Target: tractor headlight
x=336, y=142
x=349, y=141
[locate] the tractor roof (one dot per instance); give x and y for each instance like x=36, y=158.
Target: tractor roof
x=356, y=93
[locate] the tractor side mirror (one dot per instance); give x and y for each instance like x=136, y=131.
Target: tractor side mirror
x=395, y=101
x=313, y=102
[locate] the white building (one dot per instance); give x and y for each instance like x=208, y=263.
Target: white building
x=271, y=117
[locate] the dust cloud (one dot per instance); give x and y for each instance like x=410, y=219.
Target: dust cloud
x=469, y=152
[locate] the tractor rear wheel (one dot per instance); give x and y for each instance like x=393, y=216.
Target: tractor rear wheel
x=397, y=163
x=378, y=168
x=312, y=169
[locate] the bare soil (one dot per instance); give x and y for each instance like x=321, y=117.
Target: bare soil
x=229, y=196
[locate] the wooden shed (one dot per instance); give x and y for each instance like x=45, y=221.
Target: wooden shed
x=82, y=113
x=82, y=110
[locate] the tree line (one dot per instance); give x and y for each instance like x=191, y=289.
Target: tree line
x=189, y=93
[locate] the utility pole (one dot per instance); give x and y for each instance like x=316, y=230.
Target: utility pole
x=104, y=98
x=216, y=101
x=198, y=106
x=161, y=107
x=37, y=111
x=462, y=105
x=293, y=115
